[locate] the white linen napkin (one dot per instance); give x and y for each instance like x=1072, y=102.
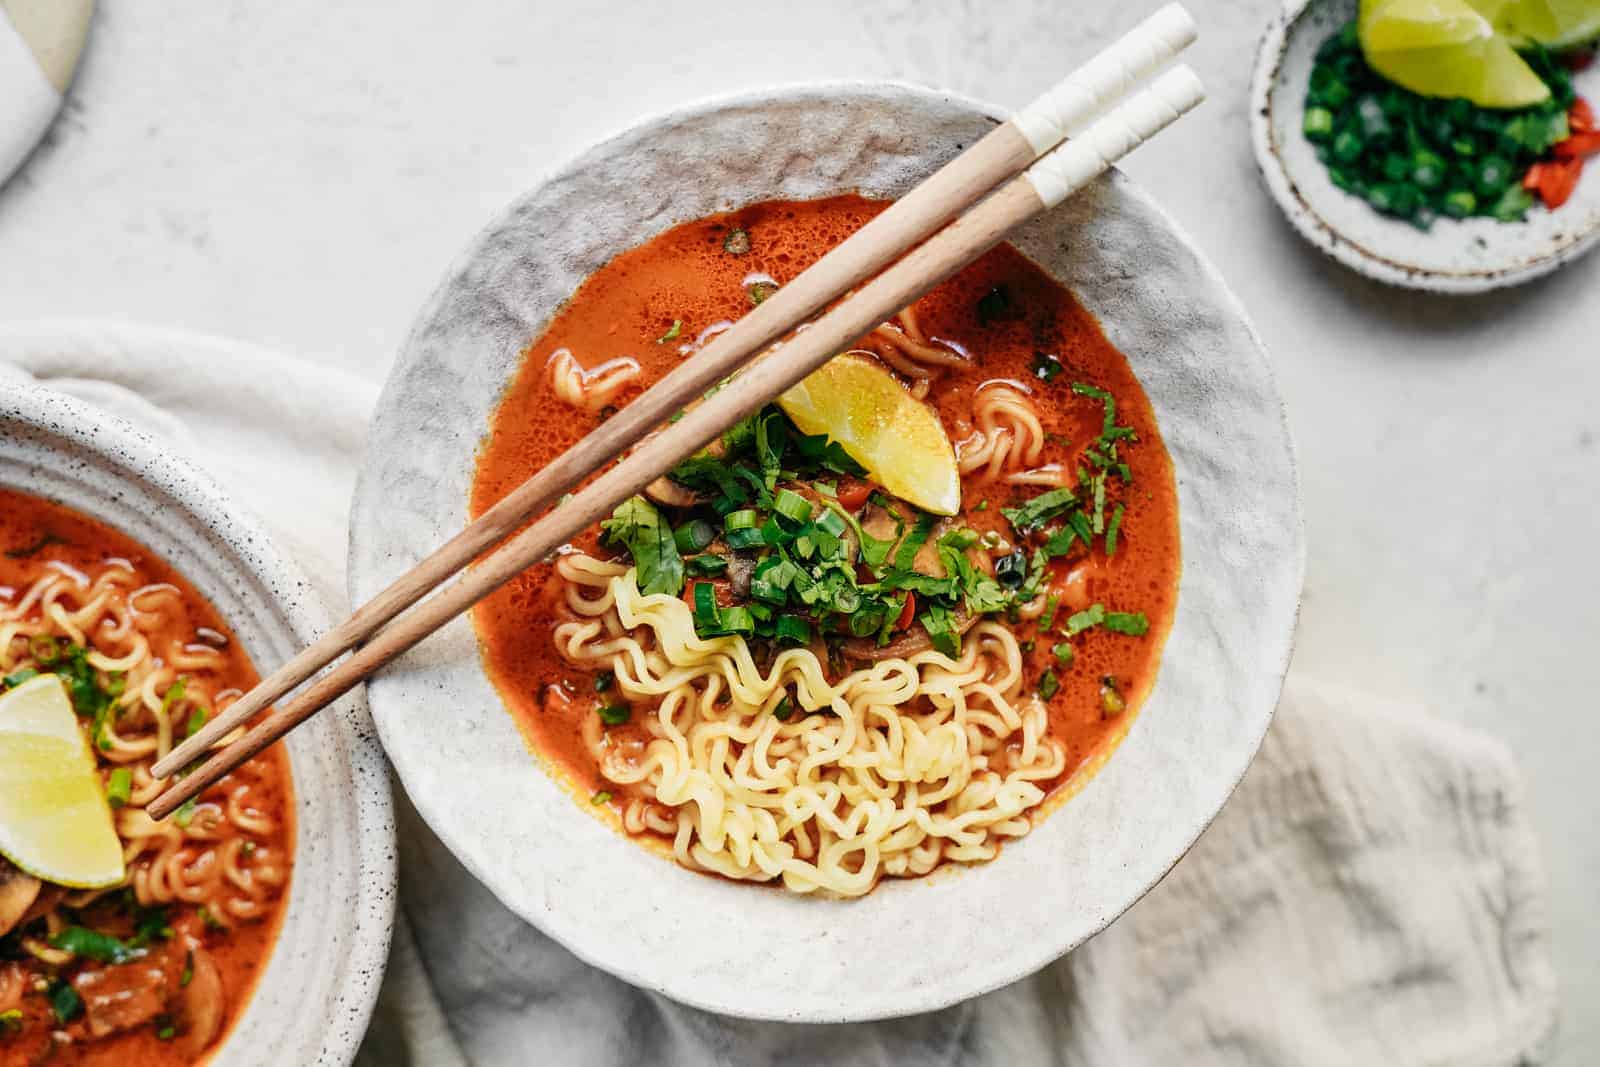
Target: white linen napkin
x=1372, y=894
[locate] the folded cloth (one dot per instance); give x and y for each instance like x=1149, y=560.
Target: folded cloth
x=1372, y=893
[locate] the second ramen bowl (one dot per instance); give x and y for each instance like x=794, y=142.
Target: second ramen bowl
x=317, y=989
x=909, y=946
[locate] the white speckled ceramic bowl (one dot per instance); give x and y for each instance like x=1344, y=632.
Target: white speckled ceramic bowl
x=312, y=1003
x=1465, y=256
x=909, y=946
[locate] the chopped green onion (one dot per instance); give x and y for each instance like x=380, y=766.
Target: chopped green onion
x=672, y=334
x=11, y=1021
x=185, y=814
x=615, y=714
x=738, y=620
x=119, y=787
x=736, y=241
x=197, y=719
x=792, y=628
x=743, y=519
x=1110, y=700
x=1049, y=685
x=1063, y=653
x=782, y=709
x=794, y=507
x=602, y=797
x=693, y=536
x=603, y=681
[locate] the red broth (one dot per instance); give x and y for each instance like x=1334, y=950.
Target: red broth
x=685, y=275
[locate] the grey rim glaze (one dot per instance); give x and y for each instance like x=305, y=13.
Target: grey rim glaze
x=909, y=946
x=1468, y=256
x=316, y=995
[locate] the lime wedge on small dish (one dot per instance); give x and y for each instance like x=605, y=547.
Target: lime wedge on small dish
x=895, y=436
x=1556, y=24
x=1446, y=48
x=55, y=823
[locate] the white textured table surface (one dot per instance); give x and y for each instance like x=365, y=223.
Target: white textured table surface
x=299, y=174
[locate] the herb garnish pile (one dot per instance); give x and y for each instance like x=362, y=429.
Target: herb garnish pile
x=789, y=510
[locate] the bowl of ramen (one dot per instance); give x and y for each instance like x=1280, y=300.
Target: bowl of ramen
x=912, y=681
x=135, y=601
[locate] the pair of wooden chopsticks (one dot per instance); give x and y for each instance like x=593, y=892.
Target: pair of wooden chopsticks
x=1021, y=153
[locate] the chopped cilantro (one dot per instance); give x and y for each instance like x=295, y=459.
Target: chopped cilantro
x=1041, y=509
x=1113, y=528
x=1123, y=622
x=1093, y=615
x=638, y=526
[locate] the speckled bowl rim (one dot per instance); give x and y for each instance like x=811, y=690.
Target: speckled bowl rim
x=1322, y=236
x=960, y=983
x=139, y=460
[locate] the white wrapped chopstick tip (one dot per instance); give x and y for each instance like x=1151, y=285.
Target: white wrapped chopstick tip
x=1078, y=162
x=1083, y=94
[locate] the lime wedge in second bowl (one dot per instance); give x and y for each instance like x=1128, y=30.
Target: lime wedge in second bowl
x=55, y=823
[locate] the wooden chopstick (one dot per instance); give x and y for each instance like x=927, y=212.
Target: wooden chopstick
x=1045, y=184
x=999, y=155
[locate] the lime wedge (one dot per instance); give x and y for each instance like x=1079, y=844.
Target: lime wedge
x=55, y=823
x=897, y=437
x=1556, y=24
x=1446, y=48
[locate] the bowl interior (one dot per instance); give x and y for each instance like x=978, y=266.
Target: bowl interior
x=312, y=1003
x=1465, y=256
x=764, y=954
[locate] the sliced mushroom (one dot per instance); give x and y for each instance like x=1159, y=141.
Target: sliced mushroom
x=18, y=891
x=908, y=644
x=668, y=492
x=200, y=1006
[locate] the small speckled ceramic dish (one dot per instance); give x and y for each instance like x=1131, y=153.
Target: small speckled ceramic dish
x=1455, y=256
x=909, y=946
x=313, y=1001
